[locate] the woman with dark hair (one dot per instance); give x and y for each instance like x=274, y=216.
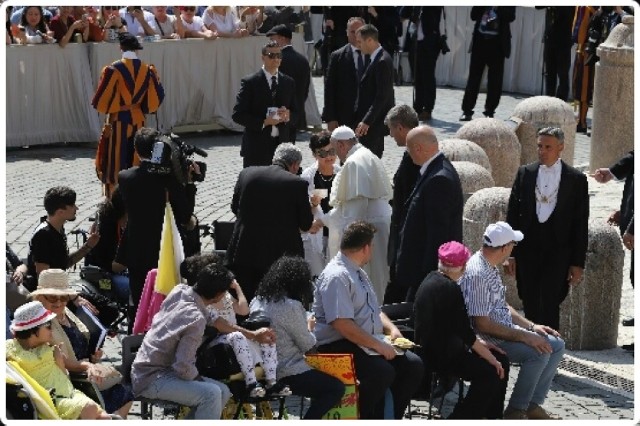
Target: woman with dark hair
x=282, y=295
x=33, y=28
x=320, y=176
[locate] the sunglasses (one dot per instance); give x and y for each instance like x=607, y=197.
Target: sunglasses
x=325, y=153
x=110, y=7
x=189, y=9
x=54, y=299
x=274, y=55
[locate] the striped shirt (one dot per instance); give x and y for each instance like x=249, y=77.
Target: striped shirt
x=484, y=294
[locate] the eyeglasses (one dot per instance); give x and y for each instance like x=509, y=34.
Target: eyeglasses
x=189, y=9
x=54, y=299
x=325, y=153
x=46, y=325
x=274, y=55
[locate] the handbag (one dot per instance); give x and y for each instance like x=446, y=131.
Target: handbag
x=104, y=376
x=102, y=153
x=256, y=320
x=217, y=362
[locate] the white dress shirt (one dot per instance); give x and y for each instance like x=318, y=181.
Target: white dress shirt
x=547, y=186
x=423, y=168
x=275, y=132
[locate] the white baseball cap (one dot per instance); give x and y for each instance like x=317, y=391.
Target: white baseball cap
x=500, y=233
x=343, y=133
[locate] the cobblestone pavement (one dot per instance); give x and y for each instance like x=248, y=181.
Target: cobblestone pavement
x=30, y=172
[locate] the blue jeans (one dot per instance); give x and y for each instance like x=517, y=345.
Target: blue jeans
x=206, y=398
x=536, y=371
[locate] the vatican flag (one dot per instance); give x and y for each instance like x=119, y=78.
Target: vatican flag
x=171, y=255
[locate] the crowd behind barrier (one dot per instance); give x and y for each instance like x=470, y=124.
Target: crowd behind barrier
x=200, y=87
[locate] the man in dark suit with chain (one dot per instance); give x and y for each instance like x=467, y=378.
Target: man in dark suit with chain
x=266, y=106
x=341, y=82
x=433, y=212
x=271, y=204
x=375, y=91
x=296, y=66
x=423, y=54
x=549, y=203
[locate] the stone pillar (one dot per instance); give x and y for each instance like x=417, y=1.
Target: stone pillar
x=543, y=111
x=487, y=206
x=589, y=314
x=499, y=142
x=612, y=125
x=472, y=177
x=464, y=150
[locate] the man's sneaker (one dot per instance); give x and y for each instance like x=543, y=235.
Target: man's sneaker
x=278, y=389
x=255, y=390
x=514, y=414
x=536, y=412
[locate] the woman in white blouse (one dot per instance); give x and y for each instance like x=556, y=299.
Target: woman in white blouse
x=224, y=21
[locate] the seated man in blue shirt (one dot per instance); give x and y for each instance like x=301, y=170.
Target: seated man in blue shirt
x=349, y=320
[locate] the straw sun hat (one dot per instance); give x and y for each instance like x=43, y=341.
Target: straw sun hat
x=30, y=315
x=54, y=282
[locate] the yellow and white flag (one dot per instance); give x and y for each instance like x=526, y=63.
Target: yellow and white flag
x=171, y=254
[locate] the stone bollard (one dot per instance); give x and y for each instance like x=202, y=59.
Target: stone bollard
x=472, y=177
x=500, y=143
x=487, y=206
x=589, y=314
x=537, y=112
x=464, y=150
x=612, y=125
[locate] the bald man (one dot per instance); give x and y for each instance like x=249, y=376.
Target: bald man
x=433, y=212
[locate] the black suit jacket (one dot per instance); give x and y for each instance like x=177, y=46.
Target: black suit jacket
x=340, y=88
x=271, y=207
x=433, y=217
x=375, y=97
x=296, y=66
x=404, y=180
x=144, y=197
x=250, y=110
x=570, y=216
x=506, y=15
x=623, y=169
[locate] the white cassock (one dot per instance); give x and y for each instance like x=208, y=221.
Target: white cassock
x=361, y=191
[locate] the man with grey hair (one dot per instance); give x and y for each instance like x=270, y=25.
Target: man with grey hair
x=360, y=191
x=549, y=202
x=400, y=120
x=271, y=204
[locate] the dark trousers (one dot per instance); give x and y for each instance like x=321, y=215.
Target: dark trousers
x=403, y=375
x=486, y=52
x=557, y=63
x=263, y=156
x=424, y=56
x=324, y=390
x=375, y=143
x=485, y=397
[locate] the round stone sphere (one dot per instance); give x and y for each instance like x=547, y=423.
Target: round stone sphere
x=473, y=177
x=544, y=111
x=484, y=207
x=464, y=150
x=499, y=142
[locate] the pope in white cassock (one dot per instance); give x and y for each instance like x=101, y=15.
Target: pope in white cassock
x=361, y=191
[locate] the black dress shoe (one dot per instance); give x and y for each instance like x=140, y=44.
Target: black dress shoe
x=488, y=114
x=628, y=347
x=466, y=117
x=581, y=129
x=628, y=322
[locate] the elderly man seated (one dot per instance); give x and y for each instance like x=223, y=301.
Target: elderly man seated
x=449, y=345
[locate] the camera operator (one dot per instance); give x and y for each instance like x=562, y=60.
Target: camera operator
x=145, y=189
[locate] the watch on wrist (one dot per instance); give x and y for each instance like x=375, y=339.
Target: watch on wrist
x=531, y=326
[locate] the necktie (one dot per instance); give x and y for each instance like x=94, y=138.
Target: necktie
x=367, y=61
x=274, y=88
x=360, y=64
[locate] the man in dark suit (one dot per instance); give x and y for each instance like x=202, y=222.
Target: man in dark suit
x=490, y=45
x=272, y=206
x=375, y=91
x=266, y=106
x=144, y=191
x=424, y=48
x=557, y=49
x=622, y=170
x=400, y=120
x=296, y=66
x=549, y=202
x=341, y=82
x=433, y=212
